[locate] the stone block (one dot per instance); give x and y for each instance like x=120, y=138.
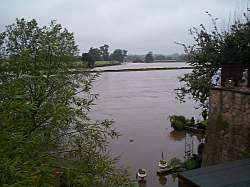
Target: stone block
x=231, y=143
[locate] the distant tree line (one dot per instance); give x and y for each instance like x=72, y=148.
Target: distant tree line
x=150, y=57
x=102, y=54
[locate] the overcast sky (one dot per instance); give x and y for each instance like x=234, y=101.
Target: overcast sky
x=136, y=25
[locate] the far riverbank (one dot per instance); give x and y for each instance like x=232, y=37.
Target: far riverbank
x=126, y=67
x=130, y=69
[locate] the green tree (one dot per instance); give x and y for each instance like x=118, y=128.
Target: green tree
x=119, y=55
x=105, y=52
x=95, y=53
x=46, y=136
x=159, y=57
x=87, y=58
x=169, y=58
x=92, y=56
x=149, y=58
x=208, y=52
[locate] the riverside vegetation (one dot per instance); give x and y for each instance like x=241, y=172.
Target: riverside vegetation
x=46, y=136
x=179, y=122
x=209, y=51
x=206, y=55
x=98, y=57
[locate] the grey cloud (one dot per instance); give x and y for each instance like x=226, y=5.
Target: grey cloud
x=136, y=25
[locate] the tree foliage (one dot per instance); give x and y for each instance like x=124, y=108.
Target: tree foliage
x=92, y=56
x=95, y=53
x=209, y=50
x=149, y=58
x=46, y=136
x=87, y=58
x=105, y=52
x=119, y=55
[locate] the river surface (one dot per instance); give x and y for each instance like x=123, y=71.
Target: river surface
x=140, y=103
x=143, y=65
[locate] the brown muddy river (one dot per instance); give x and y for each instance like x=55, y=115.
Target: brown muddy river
x=140, y=103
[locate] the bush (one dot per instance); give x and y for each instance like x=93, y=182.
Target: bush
x=211, y=48
x=46, y=135
x=178, y=122
x=191, y=164
x=175, y=162
x=202, y=125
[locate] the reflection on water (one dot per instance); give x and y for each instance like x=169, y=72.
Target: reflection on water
x=139, y=103
x=174, y=176
x=180, y=135
x=162, y=180
x=199, y=136
x=177, y=135
x=142, y=183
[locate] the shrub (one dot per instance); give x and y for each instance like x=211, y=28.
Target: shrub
x=191, y=164
x=211, y=48
x=178, y=122
x=175, y=162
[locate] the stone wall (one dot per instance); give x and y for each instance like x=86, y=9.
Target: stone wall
x=228, y=134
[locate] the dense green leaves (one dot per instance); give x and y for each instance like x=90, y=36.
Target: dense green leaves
x=207, y=54
x=46, y=136
x=149, y=58
x=119, y=55
x=105, y=52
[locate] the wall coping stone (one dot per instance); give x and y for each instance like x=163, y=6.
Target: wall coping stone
x=245, y=91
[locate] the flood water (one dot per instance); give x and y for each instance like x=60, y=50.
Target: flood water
x=140, y=103
x=143, y=65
